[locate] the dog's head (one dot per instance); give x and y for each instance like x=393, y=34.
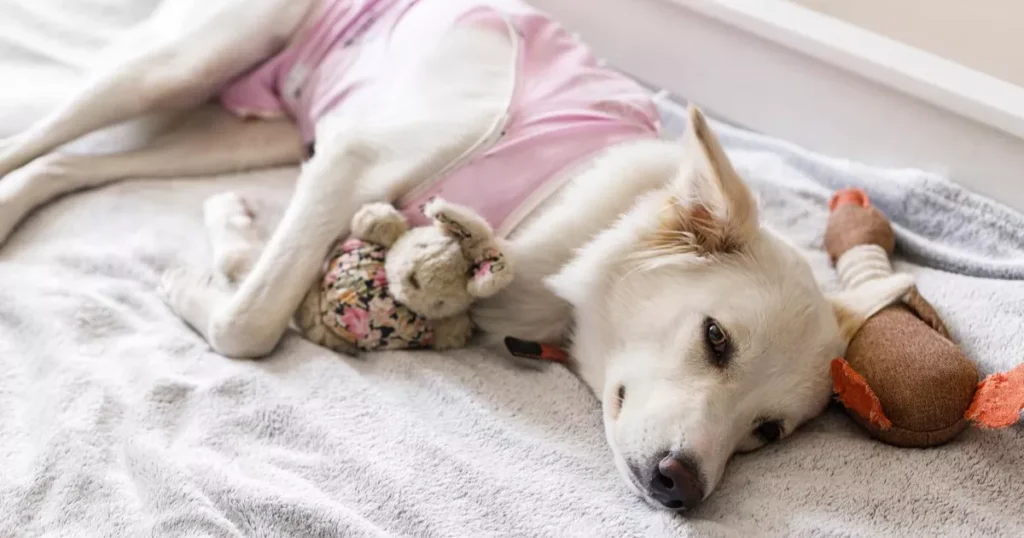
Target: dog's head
x=703, y=333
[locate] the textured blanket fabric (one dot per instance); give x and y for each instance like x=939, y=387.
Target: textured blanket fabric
x=116, y=420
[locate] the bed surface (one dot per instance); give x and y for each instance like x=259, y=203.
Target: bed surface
x=116, y=420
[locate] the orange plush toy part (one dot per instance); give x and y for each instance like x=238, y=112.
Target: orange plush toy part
x=853, y=391
x=903, y=378
x=999, y=400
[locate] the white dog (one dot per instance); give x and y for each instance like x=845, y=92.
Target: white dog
x=702, y=332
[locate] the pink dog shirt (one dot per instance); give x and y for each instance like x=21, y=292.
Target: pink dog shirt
x=565, y=106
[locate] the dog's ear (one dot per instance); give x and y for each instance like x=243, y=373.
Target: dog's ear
x=711, y=210
x=853, y=307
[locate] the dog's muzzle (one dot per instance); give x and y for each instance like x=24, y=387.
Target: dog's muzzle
x=676, y=483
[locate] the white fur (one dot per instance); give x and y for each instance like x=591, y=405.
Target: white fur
x=633, y=316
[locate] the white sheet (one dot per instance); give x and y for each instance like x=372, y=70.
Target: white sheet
x=115, y=419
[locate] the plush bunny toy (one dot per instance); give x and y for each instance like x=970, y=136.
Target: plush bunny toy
x=391, y=287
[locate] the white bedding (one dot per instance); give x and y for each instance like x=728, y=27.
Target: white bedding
x=116, y=420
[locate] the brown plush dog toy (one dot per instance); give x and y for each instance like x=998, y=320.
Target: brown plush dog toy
x=903, y=378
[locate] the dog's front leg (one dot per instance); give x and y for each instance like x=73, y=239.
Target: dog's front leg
x=346, y=173
x=250, y=321
x=445, y=107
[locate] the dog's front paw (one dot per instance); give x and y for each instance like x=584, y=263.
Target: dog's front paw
x=191, y=294
x=234, y=237
x=176, y=285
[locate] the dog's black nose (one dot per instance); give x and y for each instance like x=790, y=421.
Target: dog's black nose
x=677, y=484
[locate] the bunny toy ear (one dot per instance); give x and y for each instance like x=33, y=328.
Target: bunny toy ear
x=490, y=273
x=458, y=222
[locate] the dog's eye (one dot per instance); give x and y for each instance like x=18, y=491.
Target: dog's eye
x=769, y=431
x=414, y=282
x=717, y=341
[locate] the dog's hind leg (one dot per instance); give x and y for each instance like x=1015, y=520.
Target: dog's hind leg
x=208, y=141
x=173, y=62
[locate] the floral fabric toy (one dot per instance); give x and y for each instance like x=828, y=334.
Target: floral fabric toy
x=391, y=287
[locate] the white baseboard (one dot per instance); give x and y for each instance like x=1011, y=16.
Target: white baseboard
x=781, y=69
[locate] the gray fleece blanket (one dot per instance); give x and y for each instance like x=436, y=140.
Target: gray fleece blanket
x=116, y=420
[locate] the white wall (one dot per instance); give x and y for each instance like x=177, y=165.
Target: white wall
x=986, y=35
x=761, y=74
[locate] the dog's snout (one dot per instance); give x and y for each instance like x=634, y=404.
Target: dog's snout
x=676, y=483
